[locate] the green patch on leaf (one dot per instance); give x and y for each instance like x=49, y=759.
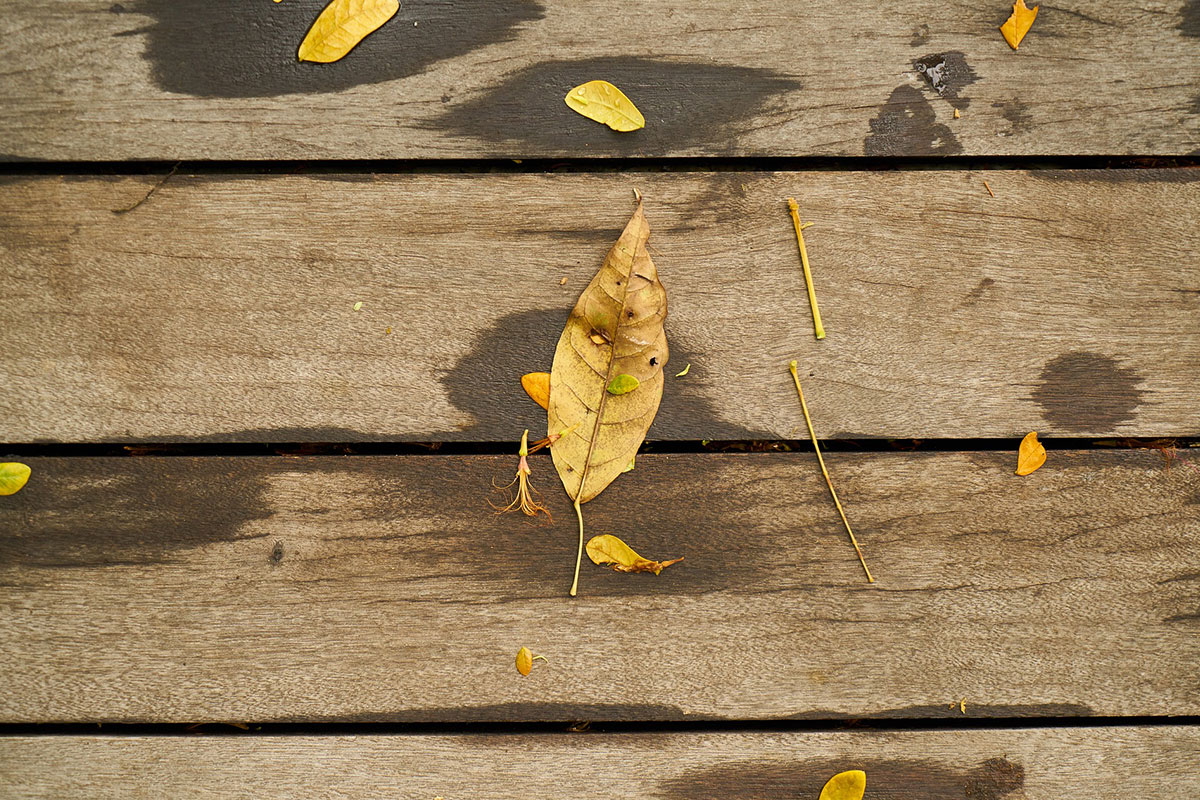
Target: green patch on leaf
x=622, y=384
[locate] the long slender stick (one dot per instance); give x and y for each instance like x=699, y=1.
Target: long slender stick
x=828, y=482
x=808, y=281
x=579, y=555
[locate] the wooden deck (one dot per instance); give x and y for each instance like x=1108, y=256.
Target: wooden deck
x=256, y=557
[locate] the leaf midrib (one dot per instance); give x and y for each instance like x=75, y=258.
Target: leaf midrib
x=612, y=353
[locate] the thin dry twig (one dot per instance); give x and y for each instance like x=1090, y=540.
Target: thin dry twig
x=825, y=472
x=985, y=185
x=818, y=328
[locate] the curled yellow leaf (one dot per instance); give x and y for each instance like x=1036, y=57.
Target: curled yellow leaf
x=342, y=25
x=603, y=102
x=1030, y=455
x=608, y=549
x=848, y=785
x=537, y=386
x=1019, y=23
x=13, y=477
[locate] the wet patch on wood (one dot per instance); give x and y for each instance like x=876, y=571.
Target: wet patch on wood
x=486, y=384
x=222, y=48
x=907, y=125
x=1016, y=113
x=1084, y=392
x=995, y=778
x=686, y=105
x=947, y=74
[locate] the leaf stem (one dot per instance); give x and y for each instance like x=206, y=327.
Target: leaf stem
x=579, y=556
x=818, y=328
x=828, y=482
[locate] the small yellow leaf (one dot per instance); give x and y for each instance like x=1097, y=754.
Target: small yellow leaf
x=1017, y=25
x=845, y=786
x=524, y=661
x=358, y=306
x=13, y=477
x=603, y=102
x=342, y=25
x=537, y=386
x=684, y=371
x=608, y=549
x=1031, y=454
x=623, y=384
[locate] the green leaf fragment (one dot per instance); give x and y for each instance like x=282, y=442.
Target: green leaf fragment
x=13, y=477
x=358, y=306
x=631, y=463
x=623, y=384
x=685, y=371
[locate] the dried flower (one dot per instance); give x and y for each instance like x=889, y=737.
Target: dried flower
x=527, y=499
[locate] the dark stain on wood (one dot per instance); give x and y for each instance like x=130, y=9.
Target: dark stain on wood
x=1183, y=618
x=486, y=383
x=920, y=35
x=896, y=779
x=106, y=511
x=1084, y=392
x=686, y=105
x=907, y=125
x=223, y=48
x=1016, y=113
x=976, y=294
x=276, y=553
x=1189, y=19
x=947, y=74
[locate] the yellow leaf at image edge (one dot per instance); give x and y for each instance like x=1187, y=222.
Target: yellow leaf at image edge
x=537, y=386
x=605, y=103
x=607, y=549
x=848, y=785
x=13, y=477
x=1019, y=23
x=1031, y=454
x=341, y=26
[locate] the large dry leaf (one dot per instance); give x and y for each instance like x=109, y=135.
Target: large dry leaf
x=1031, y=454
x=1018, y=24
x=341, y=26
x=615, y=329
x=603, y=102
x=845, y=786
x=608, y=549
x=13, y=477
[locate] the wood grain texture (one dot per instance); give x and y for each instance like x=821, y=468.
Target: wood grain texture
x=222, y=308
x=1046, y=764
x=385, y=588
x=96, y=80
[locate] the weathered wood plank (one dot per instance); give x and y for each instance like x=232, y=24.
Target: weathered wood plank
x=384, y=588
x=205, y=79
x=221, y=310
x=1045, y=764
